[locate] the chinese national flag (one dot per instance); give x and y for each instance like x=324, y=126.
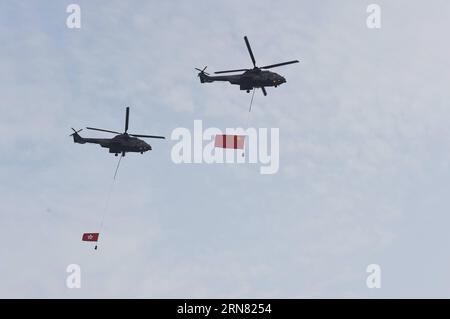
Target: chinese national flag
x=230, y=141
x=90, y=237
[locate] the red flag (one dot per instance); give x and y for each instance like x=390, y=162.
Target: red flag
x=230, y=141
x=90, y=237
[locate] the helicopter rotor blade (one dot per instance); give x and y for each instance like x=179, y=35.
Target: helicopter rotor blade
x=102, y=130
x=127, y=117
x=230, y=71
x=279, y=64
x=148, y=136
x=250, y=51
x=264, y=90
x=75, y=131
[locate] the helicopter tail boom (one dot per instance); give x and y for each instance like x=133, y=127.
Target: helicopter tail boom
x=76, y=137
x=204, y=78
x=233, y=79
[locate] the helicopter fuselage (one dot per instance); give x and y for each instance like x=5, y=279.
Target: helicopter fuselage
x=248, y=80
x=125, y=143
x=122, y=143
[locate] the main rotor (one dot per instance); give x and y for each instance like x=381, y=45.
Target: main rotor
x=125, y=133
x=255, y=67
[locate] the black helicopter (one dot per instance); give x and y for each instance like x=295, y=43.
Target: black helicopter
x=251, y=78
x=121, y=143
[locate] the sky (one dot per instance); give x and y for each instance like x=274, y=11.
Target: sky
x=364, y=172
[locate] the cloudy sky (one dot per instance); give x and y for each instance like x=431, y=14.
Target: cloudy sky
x=364, y=172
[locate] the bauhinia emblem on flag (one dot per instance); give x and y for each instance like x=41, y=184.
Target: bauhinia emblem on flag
x=90, y=237
x=230, y=141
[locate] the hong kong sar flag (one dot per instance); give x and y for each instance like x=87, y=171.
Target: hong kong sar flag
x=230, y=141
x=90, y=237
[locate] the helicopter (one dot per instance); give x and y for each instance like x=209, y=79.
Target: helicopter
x=251, y=78
x=121, y=143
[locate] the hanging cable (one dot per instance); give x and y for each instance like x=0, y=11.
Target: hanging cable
x=117, y=168
x=108, y=197
x=248, y=115
x=251, y=101
x=250, y=109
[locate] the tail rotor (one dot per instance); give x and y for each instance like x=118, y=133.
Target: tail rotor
x=75, y=132
x=203, y=75
x=77, y=138
x=202, y=71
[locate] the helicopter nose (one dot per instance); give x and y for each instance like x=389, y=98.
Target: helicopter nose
x=280, y=80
